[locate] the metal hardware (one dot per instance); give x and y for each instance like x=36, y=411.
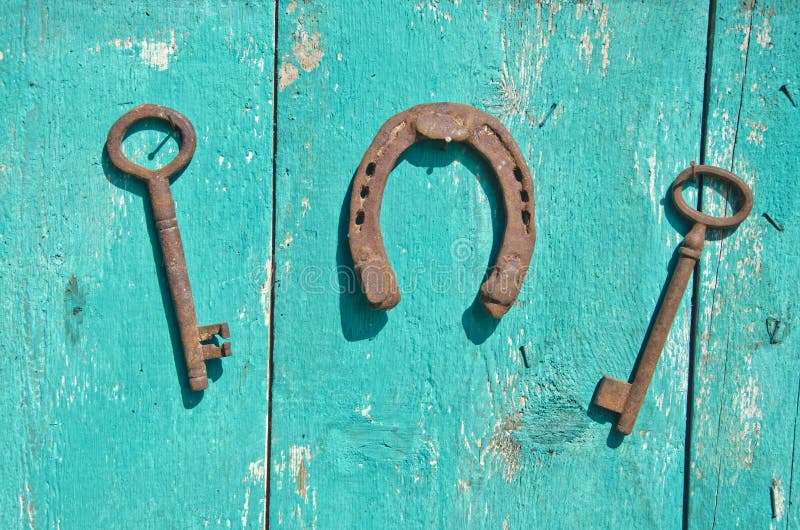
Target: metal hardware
x=194, y=338
x=626, y=398
x=449, y=122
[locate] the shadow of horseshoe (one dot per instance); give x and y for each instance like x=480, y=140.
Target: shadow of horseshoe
x=451, y=122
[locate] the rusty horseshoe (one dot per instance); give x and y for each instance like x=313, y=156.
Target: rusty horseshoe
x=448, y=122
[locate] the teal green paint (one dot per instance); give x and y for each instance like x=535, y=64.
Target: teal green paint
x=427, y=416
x=98, y=431
x=746, y=388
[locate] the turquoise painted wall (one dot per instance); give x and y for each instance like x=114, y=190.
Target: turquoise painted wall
x=100, y=429
x=329, y=415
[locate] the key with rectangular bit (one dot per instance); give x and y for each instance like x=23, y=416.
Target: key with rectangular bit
x=624, y=397
x=195, y=339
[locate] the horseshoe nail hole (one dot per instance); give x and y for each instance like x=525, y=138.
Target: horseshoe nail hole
x=526, y=218
x=523, y=195
x=364, y=192
x=360, y=217
x=370, y=169
x=518, y=174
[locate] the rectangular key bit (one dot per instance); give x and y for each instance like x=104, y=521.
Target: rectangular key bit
x=208, y=332
x=212, y=351
x=612, y=394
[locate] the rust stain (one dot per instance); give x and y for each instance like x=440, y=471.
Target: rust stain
x=299, y=458
x=504, y=443
x=300, y=480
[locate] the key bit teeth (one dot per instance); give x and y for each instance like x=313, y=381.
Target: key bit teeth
x=212, y=351
x=611, y=394
x=208, y=332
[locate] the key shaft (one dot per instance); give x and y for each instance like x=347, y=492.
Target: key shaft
x=689, y=252
x=178, y=278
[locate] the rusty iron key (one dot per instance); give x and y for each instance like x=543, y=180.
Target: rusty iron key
x=626, y=398
x=194, y=338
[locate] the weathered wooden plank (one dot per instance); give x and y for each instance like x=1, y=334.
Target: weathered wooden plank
x=748, y=368
x=431, y=415
x=100, y=431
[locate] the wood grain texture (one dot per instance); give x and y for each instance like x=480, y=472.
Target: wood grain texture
x=431, y=415
x=100, y=430
x=744, y=439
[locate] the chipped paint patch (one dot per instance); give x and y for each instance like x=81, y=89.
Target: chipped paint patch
x=651, y=176
x=605, y=61
x=434, y=9
x=763, y=32
x=750, y=417
x=585, y=48
x=287, y=240
x=307, y=49
x=365, y=410
x=257, y=470
x=156, y=54
x=756, y=134
x=299, y=461
x=778, y=498
x=505, y=445
x=246, y=508
x=287, y=74
x=305, y=204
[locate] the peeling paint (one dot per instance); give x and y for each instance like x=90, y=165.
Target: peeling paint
x=763, y=32
x=505, y=445
x=156, y=54
x=307, y=49
x=756, y=134
x=287, y=240
x=778, y=499
x=750, y=416
x=246, y=507
x=299, y=460
x=287, y=74
x=585, y=49
x=651, y=178
x=605, y=61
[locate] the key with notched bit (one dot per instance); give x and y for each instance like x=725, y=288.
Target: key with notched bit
x=626, y=398
x=196, y=340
